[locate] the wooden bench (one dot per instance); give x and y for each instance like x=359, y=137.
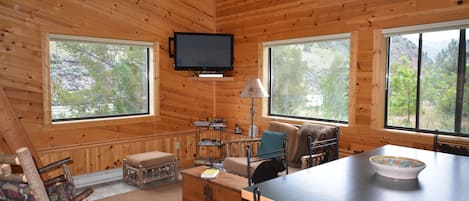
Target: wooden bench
x=147, y=167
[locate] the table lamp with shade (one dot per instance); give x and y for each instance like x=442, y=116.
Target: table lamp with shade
x=253, y=89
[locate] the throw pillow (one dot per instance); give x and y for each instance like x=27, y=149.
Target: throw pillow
x=271, y=142
x=292, y=137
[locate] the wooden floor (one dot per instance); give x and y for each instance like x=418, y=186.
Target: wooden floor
x=107, y=183
x=110, y=189
x=96, y=178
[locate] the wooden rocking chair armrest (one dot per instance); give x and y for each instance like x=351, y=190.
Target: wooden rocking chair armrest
x=83, y=195
x=54, y=180
x=9, y=158
x=14, y=178
x=55, y=165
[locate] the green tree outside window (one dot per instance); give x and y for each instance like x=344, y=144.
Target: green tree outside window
x=92, y=80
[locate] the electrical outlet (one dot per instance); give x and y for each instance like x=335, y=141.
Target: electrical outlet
x=178, y=145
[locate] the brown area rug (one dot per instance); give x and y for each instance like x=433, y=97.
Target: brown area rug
x=163, y=192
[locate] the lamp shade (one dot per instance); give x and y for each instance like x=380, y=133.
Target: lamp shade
x=254, y=88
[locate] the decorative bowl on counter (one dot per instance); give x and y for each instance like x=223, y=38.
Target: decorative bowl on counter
x=397, y=167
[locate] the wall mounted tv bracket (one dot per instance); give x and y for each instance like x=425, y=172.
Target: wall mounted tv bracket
x=170, y=50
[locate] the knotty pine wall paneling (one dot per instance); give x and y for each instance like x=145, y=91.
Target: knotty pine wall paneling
x=99, y=145
x=255, y=21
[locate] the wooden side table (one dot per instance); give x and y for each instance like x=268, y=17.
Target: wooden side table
x=224, y=187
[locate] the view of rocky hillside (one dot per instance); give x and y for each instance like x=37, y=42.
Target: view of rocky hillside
x=93, y=79
x=67, y=71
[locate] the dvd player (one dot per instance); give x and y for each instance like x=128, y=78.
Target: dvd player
x=211, y=75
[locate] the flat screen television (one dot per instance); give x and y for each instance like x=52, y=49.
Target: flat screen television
x=203, y=51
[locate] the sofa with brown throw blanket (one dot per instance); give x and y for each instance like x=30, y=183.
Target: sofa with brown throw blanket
x=297, y=136
x=321, y=135
x=297, y=141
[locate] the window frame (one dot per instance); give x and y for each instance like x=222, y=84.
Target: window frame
x=266, y=46
x=462, y=26
x=153, y=82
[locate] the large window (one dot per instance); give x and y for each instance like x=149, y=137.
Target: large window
x=98, y=78
x=426, y=81
x=309, y=78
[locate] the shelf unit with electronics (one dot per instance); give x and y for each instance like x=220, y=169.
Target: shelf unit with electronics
x=213, y=142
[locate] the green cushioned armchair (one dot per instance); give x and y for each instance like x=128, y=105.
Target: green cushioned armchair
x=271, y=156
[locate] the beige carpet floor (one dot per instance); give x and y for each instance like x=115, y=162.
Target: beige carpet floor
x=164, y=192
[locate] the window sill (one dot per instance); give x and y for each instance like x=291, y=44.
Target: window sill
x=415, y=133
x=101, y=122
x=403, y=132
x=300, y=121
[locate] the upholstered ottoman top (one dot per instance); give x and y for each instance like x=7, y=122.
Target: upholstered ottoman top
x=149, y=159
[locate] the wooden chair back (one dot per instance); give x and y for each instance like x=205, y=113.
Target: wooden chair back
x=235, y=148
x=273, y=160
x=323, y=150
x=450, y=144
x=30, y=182
x=30, y=173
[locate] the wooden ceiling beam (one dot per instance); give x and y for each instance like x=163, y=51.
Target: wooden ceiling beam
x=13, y=136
